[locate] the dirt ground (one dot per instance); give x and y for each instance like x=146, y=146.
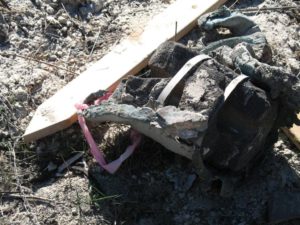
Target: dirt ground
x=46, y=43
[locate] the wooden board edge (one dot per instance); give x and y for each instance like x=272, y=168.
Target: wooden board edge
x=28, y=137
x=292, y=136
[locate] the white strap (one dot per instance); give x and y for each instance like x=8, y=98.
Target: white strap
x=188, y=66
x=233, y=84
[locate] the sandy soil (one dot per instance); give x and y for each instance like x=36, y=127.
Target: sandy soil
x=153, y=185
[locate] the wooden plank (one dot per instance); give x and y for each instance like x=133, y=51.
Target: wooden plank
x=129, y=57
x=293, y=134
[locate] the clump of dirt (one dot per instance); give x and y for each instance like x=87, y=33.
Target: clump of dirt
x=154, y=186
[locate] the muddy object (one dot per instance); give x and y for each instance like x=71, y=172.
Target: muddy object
x=283, y=207
x=222, y=123
x=169, y=58
x=239, y=130
x=281, y=85
x=241, y=30
x=182, y=122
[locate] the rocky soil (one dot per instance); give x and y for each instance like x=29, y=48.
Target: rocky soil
x=46, y=43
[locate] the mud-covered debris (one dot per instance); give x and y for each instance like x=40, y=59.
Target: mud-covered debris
x=283, y=207
x=215, y=115
x=169, y=58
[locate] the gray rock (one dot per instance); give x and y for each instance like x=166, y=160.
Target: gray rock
x=53, y=58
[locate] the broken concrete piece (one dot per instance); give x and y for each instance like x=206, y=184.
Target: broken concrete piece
x=284, y=206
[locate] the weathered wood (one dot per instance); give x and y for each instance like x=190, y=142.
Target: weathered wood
x=129, y=57
x=293, y=134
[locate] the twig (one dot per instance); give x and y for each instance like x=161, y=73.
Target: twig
x=233, y=4
x=268, y=8
x=26, y=205
x=69, y=162
x=29, y=198
x=94, y=45
x=37, y=60
x=175, y=36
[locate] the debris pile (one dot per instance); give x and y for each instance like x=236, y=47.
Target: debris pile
x=220, y=105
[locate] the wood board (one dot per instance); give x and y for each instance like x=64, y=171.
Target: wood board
x=127, y=58
x=293, y=134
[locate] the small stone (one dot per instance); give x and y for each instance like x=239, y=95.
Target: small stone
x=287, y=153
x=293, y=45
x=21, y=94
x=4, y=133
x=52, y=20
x=74, y=212
x=52, y=58
x=64, y=30
x=59, y=53
x=278, y=144
x=49, y=10
x=62, y=20
x=294, y=64
x=69, y=23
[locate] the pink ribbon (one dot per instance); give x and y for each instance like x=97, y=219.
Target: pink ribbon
x=97, y=153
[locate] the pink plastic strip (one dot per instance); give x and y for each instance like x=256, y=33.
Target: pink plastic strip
x=97, y=153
